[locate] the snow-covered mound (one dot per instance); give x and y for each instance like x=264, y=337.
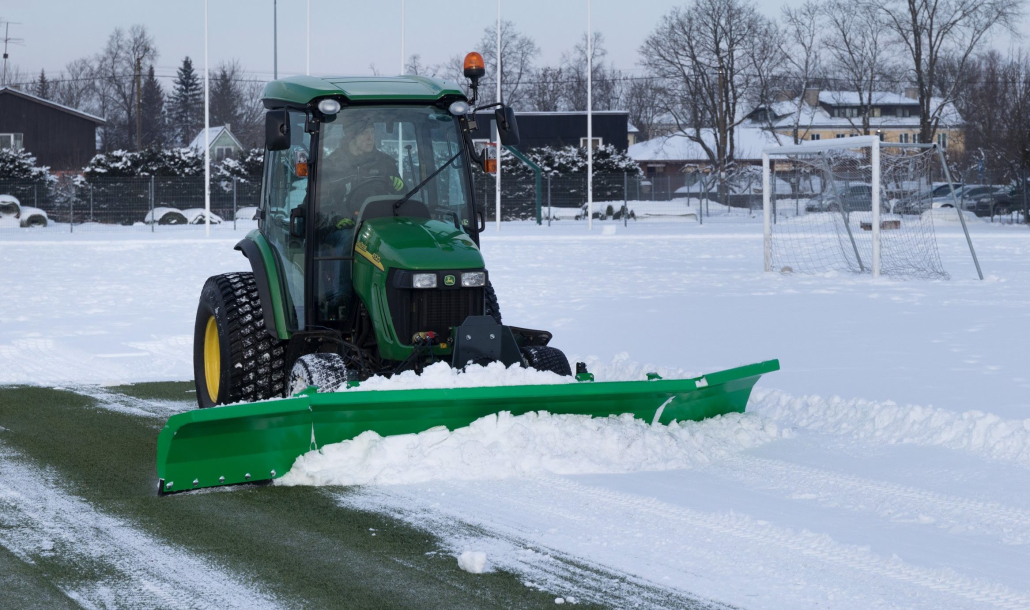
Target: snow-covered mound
x=888, y=422
x=502, y=445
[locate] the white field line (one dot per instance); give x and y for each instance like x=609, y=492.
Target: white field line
x=40, y=520
x=120, y=403
x=694, y=550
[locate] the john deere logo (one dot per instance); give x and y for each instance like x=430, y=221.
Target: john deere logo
x=448, y=280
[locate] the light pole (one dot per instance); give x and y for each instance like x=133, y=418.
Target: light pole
x=590, y=122
x=275, y=39
x=207, y=137
x=497, y=187
x=307, y=59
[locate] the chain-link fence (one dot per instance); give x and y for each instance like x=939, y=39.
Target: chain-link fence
x=624, y=198
x=108, y=204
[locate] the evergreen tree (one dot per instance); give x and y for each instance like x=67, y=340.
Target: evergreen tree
x=187, y=110
x=43, y=88
x=226, y=99
x=153, y=111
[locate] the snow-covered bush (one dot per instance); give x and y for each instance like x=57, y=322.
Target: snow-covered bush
x=20, y=166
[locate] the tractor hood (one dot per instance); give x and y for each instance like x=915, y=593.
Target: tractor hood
x=416, y=244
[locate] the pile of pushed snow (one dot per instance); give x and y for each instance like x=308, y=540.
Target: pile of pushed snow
x=473, y=562
x=442, y=375
x=502, y=445
x=888, y=422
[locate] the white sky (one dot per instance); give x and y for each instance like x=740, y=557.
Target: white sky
x=346, y=35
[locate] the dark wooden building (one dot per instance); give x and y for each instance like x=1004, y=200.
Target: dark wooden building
x=58, y=136
x=560, y=129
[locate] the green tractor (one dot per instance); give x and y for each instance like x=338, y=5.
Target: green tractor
x=367, y=262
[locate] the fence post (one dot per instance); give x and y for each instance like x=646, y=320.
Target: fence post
x=90, y=219
x=71, y=210
x=625, y=199
x=548, y=200
x=153, y=219
x=234, y=203
x=35, y=195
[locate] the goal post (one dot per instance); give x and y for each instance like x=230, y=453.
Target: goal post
x=855, y=205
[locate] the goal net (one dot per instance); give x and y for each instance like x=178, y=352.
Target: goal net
x=853, y=205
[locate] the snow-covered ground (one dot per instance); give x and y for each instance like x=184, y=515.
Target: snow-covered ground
x=886, y=465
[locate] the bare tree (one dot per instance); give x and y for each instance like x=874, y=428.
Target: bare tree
x=546, y=91
x=701, y=51
x=644, y=100
x=116, y=69
x=607, y=81
x=930, y=30
x=861, y=56
x=76, y=85
x=518, y=52
x=416, y=67
x=800, y=67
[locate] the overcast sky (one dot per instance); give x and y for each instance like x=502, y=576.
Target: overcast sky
x=346, y=35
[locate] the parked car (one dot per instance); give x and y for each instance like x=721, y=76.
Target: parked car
x=1000, y=203
x=965, y=195
x=24, y=215
x=851, y=197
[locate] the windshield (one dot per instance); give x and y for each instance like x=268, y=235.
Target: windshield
x=371, y=157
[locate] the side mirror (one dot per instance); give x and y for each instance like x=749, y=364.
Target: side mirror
x=507, y=128
x=297, y=227
x=480, y=220
x=277, y=129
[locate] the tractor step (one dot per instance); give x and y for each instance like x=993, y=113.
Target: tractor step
x=248, y=443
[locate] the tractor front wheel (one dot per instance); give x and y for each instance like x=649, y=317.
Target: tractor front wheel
x=235, y=359
x=327, y=372
x=546, y=358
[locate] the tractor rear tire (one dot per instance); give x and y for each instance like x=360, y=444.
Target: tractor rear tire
x=545, y=358
x=493, y=308
x=327, y=372
x=235, y=358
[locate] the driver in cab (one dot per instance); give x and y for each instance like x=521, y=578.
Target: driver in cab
x=356, y=163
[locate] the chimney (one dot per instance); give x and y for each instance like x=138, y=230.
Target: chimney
x=228, y=127
x=812, y=96
x=912, y=92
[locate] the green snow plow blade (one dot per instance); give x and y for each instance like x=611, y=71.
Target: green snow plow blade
x=253, y=442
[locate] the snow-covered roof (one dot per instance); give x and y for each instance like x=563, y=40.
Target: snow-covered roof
x=55, y=105
x=213, y=133
x=818, y=117
x=631, y=128
x=748, y=144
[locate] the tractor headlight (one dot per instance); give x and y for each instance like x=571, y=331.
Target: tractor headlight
x=473, y=279
x=423, y=280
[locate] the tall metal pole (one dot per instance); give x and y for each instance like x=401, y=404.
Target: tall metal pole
x=207, y=136
x=400, y=126
x=307, y=59
x=875, y=159
x=139, y=105
x=275, y=38
x=590, y=122
x=497, y=186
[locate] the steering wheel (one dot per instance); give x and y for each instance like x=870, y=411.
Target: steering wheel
x=370, y=187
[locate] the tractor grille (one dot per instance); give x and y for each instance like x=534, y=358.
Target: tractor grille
x=436, y=310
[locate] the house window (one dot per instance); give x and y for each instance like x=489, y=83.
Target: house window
x=875, y=111
x=13, y=141
x=596, y=141
x=942, y=140
x=903, y=138
x=840, y=135
x=815, y=136
x=221, y=152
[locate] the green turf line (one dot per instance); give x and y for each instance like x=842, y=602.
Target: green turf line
x=298, y=543
x=26, y=586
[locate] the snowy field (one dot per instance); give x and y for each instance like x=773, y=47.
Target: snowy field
x=887, y=464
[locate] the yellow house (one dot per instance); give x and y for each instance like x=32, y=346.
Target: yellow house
x=823, y=115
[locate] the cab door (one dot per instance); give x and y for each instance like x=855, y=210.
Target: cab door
x=284, y=196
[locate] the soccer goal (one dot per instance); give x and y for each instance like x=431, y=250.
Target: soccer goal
x=857, y=205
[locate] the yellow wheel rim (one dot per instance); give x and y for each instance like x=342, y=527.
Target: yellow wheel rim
x=212, y=359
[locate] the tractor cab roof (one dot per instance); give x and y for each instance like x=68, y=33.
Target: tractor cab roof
x=300, y=90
